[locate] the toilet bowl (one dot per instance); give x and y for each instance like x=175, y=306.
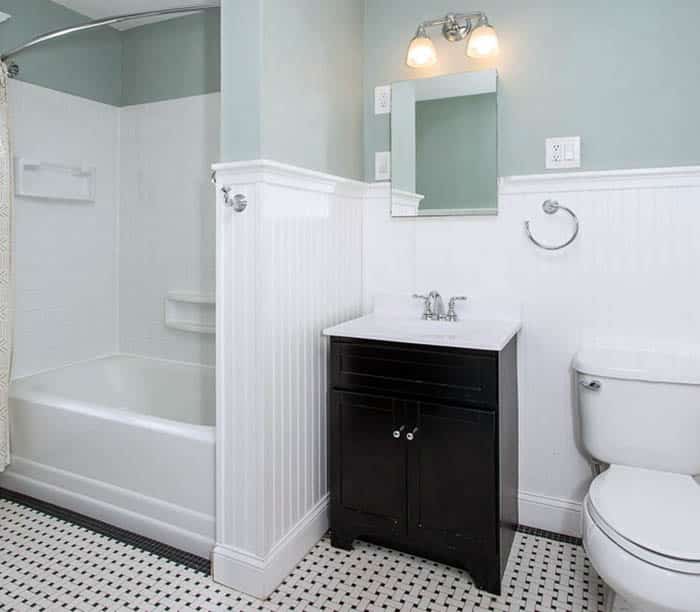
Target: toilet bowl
x=640, y=414
x=640, y=533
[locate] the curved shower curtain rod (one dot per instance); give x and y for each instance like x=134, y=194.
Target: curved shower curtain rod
x=13, y=68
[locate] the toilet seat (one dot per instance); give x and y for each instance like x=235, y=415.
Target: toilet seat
x=651, y=515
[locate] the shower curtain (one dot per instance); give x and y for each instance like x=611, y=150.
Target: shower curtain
x=6, y=276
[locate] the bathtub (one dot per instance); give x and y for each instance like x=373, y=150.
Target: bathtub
x=124, y=439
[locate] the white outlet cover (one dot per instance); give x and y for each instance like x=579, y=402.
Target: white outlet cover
x=4, y=17
x=382, y=166
x=382, y=100
x=563, y=152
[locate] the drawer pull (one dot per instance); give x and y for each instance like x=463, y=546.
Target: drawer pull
x=411, y=435
x=399, y=431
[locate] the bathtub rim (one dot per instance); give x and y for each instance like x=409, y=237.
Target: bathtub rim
x=204, y=433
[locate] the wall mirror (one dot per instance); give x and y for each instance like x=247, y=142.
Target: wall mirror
x=444, y=145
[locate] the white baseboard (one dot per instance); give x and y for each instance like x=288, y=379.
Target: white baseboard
x=550, y=513
x=260, y=576
x=182, y=528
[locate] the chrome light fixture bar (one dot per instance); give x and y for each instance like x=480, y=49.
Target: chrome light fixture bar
x=13, y=68
x=483, y=41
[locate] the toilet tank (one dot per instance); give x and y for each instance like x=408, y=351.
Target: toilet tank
x=640, y=408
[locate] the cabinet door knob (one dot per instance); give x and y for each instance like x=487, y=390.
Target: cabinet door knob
x=399, y=431
x=410, y=436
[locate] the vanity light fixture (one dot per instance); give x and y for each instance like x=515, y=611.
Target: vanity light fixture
x=483, y=41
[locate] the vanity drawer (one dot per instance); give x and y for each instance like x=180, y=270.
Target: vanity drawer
x=438, y=373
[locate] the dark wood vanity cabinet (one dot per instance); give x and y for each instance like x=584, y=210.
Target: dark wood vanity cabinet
x=424, y=451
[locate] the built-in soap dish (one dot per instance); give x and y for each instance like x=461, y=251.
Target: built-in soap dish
x=191, y=312
x=51, y=181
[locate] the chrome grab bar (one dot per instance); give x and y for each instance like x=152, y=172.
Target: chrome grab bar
x=550, y=207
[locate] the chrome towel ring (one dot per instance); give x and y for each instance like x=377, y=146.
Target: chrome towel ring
x=550, y=207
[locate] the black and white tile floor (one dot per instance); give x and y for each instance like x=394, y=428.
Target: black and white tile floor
x=50, y=563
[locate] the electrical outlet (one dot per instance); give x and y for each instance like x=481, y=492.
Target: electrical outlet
x=563, y=153
x=382, y=166
x=382, y=100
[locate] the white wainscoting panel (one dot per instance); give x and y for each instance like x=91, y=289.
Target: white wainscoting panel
x=65, y=251
x=288, y=266
x=630, y=277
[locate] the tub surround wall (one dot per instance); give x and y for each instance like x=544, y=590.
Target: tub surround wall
x=167, y=221
x=287, y=267
x=65, y=252
x=623, y=279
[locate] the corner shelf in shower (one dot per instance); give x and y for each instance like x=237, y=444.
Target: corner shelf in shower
x=53, y=181
x=191, y=312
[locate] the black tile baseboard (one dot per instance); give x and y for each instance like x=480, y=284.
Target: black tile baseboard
x=550, y=535
x=171, y=553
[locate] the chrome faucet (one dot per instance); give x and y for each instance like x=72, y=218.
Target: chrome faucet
x=434, y=307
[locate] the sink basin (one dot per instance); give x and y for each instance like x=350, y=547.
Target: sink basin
x=478, y=334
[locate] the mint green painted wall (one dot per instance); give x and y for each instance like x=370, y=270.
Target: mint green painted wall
x=622, y=75
x=292, y=83
x=312, y=84
x=171, y=59
x=241, y=80
x=86, y=64
x=457, y=152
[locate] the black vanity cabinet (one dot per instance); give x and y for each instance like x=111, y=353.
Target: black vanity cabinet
x=424, y=451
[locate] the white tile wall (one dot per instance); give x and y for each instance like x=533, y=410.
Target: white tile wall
x=65, y=252
x=167, y=222
x=630, y=275
x=92, y=277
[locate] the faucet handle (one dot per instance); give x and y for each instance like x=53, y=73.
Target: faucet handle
x=427, y=310
x=451, y=312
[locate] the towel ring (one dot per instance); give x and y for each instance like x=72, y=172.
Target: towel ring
x=550, y=207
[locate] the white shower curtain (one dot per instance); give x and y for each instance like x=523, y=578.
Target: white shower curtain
x=6, y=276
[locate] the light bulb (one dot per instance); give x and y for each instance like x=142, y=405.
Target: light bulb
x=421, y=51
x=482, y=42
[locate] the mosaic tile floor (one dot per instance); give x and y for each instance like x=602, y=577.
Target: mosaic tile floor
x=48, y=563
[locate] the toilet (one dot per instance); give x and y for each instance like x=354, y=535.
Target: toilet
x=640, y=419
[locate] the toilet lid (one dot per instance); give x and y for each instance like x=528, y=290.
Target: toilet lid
x=658, y=511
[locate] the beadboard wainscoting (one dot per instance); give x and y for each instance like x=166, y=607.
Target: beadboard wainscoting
x=287, y=267
x=628, y=278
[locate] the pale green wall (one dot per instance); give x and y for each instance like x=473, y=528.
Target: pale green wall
x=241, y=80
x=622, y=75
x=312, y=84
x=457, y=152
x=292, y=83
x=165, y=60
x=87, y=64
x=171, y=59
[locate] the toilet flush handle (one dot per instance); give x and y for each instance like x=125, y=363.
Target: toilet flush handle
x=592, y=385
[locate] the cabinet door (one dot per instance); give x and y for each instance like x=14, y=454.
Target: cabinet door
x=452, y=474
x=368, y=459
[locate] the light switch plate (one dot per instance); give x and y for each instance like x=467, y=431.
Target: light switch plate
x=4, y=17
x=382, y=166
x=382, y=100
x=563, y=152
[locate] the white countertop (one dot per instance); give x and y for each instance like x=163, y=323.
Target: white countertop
x=479, y=334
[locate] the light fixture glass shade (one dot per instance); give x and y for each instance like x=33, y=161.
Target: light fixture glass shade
x=421, y=51
x=483, y=42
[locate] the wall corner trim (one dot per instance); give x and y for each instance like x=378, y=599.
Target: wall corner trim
x=260, y=576
x=285, y=175
x=607, y=180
